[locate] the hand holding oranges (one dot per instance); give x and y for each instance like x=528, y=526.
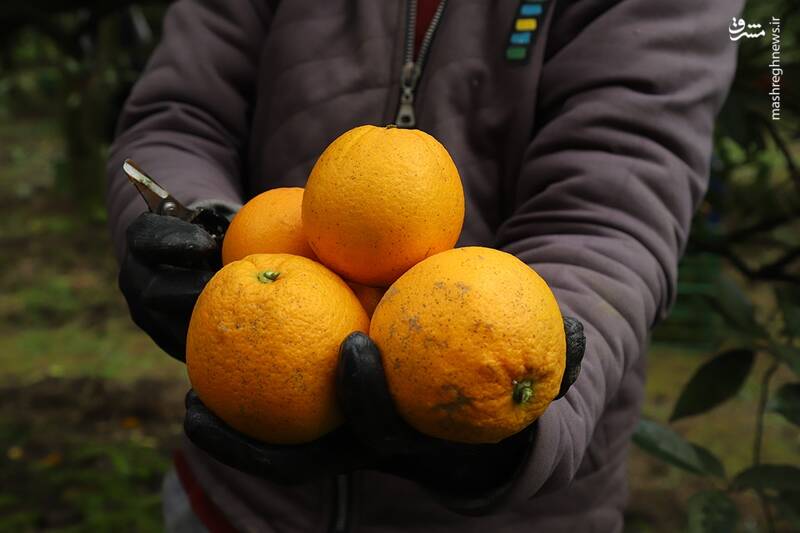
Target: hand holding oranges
x=471, y=339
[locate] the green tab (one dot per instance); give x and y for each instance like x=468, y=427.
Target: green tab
x=516, y=53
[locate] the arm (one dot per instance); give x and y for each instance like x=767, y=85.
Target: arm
x=187, y=120
x=628, y=95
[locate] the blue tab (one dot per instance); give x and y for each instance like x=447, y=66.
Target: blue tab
x=529, y=10
x=522, y=37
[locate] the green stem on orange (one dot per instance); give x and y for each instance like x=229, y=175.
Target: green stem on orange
x=390, y=126
x=523, y=390
x=267, y=276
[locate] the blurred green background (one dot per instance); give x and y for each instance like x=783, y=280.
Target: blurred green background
x=90, y=409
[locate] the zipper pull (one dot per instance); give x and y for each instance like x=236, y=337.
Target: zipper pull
x=405, y=113
x=408, y=81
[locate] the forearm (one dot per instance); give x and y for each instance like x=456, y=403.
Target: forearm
x=187, y=119
x=608, y=187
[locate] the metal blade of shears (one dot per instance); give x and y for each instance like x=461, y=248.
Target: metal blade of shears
x=157, y=198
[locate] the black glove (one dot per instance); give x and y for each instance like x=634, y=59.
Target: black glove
x=471, y=478
x=167, y=263
x=337, y=452
x=375, y=437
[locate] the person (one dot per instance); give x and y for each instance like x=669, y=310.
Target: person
x=582, y=133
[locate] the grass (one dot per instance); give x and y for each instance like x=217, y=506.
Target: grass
x=90, y=408
x=87, y=454
x=71, y=351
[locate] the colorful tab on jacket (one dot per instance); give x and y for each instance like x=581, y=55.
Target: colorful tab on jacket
x=523, y=30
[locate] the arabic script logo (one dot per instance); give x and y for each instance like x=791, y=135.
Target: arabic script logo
x=737, y=30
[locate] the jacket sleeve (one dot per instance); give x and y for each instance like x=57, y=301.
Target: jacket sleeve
x=186, y=121
x=619, y=161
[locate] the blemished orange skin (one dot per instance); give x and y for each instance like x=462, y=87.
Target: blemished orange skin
x=458, y=332
x=368, y=296
x=269, y=223
x=262, y=354
x=381, y=199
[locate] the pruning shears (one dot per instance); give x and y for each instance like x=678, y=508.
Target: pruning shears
x=161, y=202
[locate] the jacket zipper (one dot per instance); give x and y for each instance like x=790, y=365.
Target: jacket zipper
x=341, y=502
x=409, y=77
x=412, y=70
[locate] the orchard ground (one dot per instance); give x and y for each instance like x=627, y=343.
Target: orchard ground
x=90, y=409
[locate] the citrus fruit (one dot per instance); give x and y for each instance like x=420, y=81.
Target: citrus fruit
x=268, y=223
x=263, y=343
x=473, y=345
x=368, y=296
x=379, y=200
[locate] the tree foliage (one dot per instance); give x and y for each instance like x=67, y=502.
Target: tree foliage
x=76, y=60
x=749, y=228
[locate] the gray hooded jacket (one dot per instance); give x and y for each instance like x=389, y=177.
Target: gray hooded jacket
x=584, y=152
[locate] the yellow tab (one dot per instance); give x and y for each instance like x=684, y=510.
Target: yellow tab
x=526, y=24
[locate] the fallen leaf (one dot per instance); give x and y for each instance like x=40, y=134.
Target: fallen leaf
x=15, y=453
x=131, y=422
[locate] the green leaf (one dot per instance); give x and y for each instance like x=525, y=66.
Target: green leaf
x=789, y=303
x=664, y=443
x=711, y=511
x=786, y=402
x=768, y=477
x=734, y=306
x=715, y=382
x=711, y=462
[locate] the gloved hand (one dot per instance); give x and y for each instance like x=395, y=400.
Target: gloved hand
x=376, y=437
x=167, y=264
x=337, y=452
x=472, y=476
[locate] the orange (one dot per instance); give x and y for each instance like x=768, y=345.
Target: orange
x=473, y=345
x=379, y=200
x=268, y=223
x=263, y=346
x=368, y=296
